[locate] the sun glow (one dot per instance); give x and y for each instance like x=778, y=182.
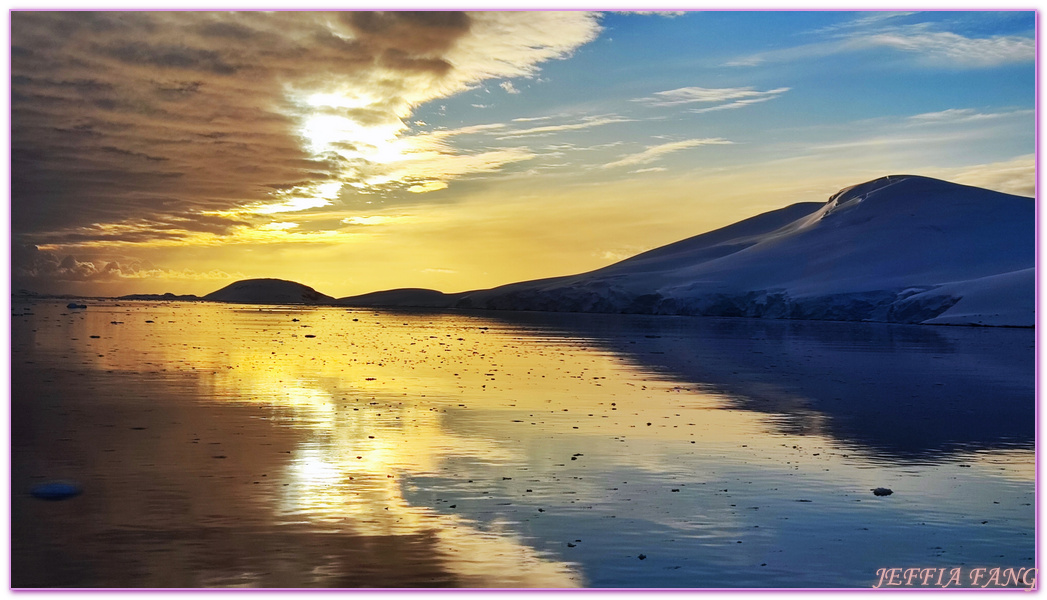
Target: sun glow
x=278, y=226
x=340, y=100
x=290, y=205
x=325, y=132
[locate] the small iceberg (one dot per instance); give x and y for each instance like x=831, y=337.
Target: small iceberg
x=56, y=490
x=75, y=305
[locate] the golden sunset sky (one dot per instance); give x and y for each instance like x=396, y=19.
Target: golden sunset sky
x=158, y=152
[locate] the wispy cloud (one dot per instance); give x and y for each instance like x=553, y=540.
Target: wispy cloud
x=1014, y=176
x=529, y=119
x=508, y=87
x=467, y=130
x=950, y=49
x=653, y=153
x=732, y=105
x=669, y=14
x=862, y=22
x=927, y=48
x=964, y=115
x=586, y=123
x=695, y=95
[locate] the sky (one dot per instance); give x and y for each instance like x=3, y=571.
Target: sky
x=157, y=152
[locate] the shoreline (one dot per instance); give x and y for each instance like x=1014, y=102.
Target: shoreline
x=483, y=311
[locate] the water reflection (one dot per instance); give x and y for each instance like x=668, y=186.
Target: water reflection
x=905, y=392
x=542, y=450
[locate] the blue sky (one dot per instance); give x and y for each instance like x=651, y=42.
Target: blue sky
x=815, y=79
x=354, y=152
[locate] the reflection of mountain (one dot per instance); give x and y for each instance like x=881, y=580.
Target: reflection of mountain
x=901, y=249
x=905, y=392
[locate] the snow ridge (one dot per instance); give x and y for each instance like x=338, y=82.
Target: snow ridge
x=902, y=248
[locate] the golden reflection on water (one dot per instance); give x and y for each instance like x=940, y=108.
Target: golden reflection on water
x=329, y=368
x=378, y=398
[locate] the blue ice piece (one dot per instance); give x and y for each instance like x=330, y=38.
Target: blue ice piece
x=75, y=305
x=56, y=490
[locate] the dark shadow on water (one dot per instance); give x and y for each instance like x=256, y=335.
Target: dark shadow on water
x=904, y=392
x=260, y=556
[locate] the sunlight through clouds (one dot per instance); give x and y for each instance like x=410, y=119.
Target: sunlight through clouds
x=345, y=144
x=363, y=118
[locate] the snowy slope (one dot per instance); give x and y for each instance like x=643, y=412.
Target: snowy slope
x=1005, y=299
x=900, y=248
x=268, y=291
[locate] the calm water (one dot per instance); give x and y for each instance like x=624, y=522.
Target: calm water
x=285, y=447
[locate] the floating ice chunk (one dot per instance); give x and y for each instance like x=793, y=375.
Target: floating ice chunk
x=56, y=490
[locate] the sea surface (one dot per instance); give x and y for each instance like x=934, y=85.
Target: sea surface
x=262, y=446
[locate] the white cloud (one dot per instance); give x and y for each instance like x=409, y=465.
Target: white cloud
x=950, y=49
x=928, y=48
x=1014, y=176
x=467, y=130
x=508, y=87
x=369, y=220
x=528, y=119
x=694, y=95
x=653, y=153
x=669, y=14
x=863, y=22
x=278, y=226
x=963, y=115
x=584, y=124
x=732, y=105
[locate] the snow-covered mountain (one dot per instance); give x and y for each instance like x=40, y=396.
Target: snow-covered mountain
x=900, y=248
x=268, y=291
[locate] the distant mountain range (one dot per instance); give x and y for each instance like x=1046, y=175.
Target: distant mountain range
x=901, y=248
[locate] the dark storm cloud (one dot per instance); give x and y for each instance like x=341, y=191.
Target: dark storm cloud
x=413, y=33
x=132, y=127
x=110, y=110
x=174, y=57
